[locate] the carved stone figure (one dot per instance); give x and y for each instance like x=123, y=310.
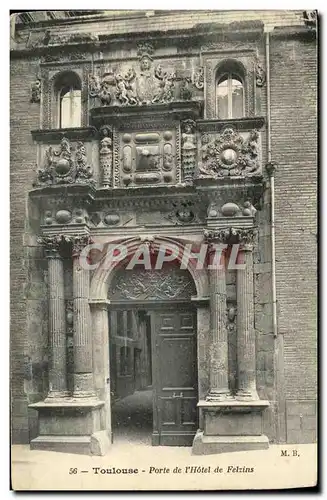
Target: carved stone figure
x=94, y=86
x=229, y=154
x=166, y=85
x=36, y=91
x=83, y=171
x=106, y=156
x=125, y=92
x=188, y=149
x=104, y=92
x=185, y=91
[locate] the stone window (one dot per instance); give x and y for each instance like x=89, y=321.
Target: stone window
x=230, y=97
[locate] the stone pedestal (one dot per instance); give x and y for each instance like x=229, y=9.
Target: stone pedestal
x=232, y=426
x=72, y=427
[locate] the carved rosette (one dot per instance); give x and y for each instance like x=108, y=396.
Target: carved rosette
x=229, y=154
x=62, y=167
x=106, y=156
x=188, y=150
x=36, y=91
x=231, y=235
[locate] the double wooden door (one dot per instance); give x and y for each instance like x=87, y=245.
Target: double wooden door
x=174, y=362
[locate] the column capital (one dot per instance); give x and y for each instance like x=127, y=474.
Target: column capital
x=52, y=245
x=79, y=243
x=230, y=235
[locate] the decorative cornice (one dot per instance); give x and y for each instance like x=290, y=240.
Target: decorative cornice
x=48, y=136
x=239, y=124
x=118, y=115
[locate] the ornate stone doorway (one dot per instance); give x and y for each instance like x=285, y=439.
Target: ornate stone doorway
x=153, y=346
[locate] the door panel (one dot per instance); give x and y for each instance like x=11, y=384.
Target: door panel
x=175, y=376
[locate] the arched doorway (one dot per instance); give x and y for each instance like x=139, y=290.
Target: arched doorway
x=153, y=354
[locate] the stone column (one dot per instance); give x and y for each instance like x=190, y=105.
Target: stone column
x=57, y=318
x=83, y=355
x=219, y=386
x=102, y=382
x=246, y=358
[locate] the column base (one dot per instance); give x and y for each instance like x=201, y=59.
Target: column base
x=244, y=395
x=97, y=444
x=209, y=445
x=71, y=426
x=219, y=396
x=57, y=396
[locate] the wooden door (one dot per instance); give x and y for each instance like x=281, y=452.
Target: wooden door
x=174, y=376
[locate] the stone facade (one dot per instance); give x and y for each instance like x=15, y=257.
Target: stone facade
x=150, y=163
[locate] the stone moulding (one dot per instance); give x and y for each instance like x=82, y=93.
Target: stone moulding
x=239, y=124
x=57, y=134
x=177, y=110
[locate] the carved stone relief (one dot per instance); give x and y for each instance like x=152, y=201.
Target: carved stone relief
x=184, y=213
x=144, y=83
x=65, y=165
x=36, y=91
x=231, y=209
x=146, y=158
x=167, y=283
x=260, y=75
x=229, y=154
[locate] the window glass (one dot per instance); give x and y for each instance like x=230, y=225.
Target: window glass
x=70, y=107
x=230, y=97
